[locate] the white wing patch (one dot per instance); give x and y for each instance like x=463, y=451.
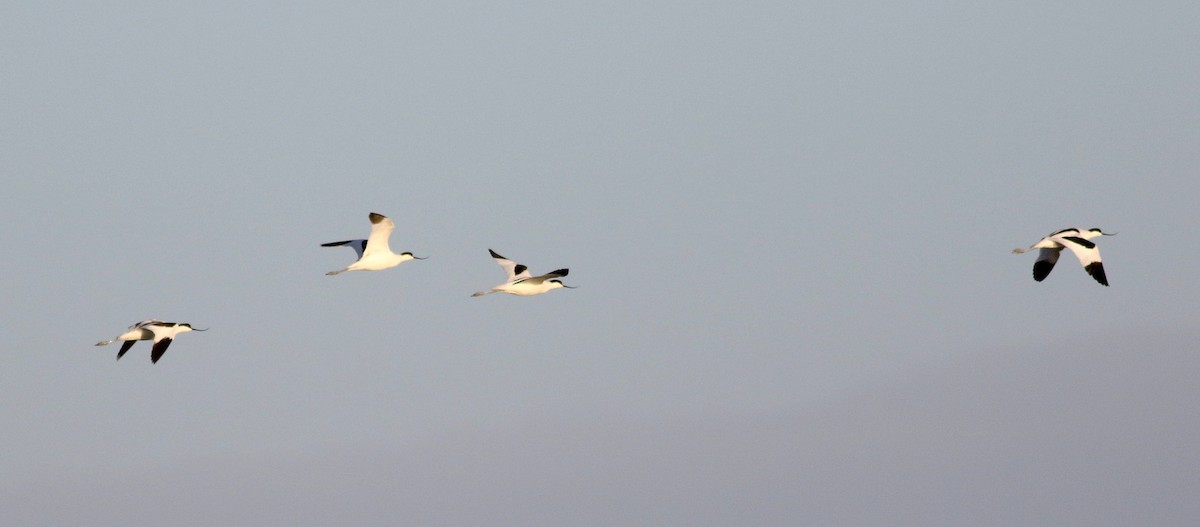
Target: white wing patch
x=381, y=230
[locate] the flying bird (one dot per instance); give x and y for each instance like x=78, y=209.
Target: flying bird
x=162, y=333
x=373, y=252
x=1079, y=242
x=521, y=282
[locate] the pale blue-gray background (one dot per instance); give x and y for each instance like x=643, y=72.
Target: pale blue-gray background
x=790, y=223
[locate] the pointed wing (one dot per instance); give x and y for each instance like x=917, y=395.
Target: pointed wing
x=358, y=245
x=164, y=332
x=539, y=279
x=160, y=347
x=125, y=347
x=512, y=270
x=381, y=230
x=1045, y=263
x=1089, y=256
x=145, y=323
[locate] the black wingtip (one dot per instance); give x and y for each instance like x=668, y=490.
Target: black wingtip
x=496, y=255
x=1041, y=269
x=1096, y=269
x=159, y=349
x=560, y=272
x=125, y=347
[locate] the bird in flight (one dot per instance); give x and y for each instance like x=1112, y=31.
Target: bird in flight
x=521, y=282
x=373, y=252
x=1079, y=242
x=162, y=333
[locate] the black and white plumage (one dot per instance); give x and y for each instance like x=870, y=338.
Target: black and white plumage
x=374, y=254
x=1079, y=242
x=521, y=282
x=162, y=333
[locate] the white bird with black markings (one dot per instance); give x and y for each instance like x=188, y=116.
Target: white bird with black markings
x=162, y=333
x=373, y=252
x=521, y=282
x=1079, y=242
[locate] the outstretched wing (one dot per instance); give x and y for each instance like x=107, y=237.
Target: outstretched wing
x=539, y=279
x=125, y=347
x=1088, y=254
x=512, y=270
x=381, y=230
x=358, y=245
x=1045, y=263
x=160, y=347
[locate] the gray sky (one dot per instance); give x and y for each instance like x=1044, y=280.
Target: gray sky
x=790, y=224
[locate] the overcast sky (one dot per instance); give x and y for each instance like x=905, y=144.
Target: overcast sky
x=790, y=224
